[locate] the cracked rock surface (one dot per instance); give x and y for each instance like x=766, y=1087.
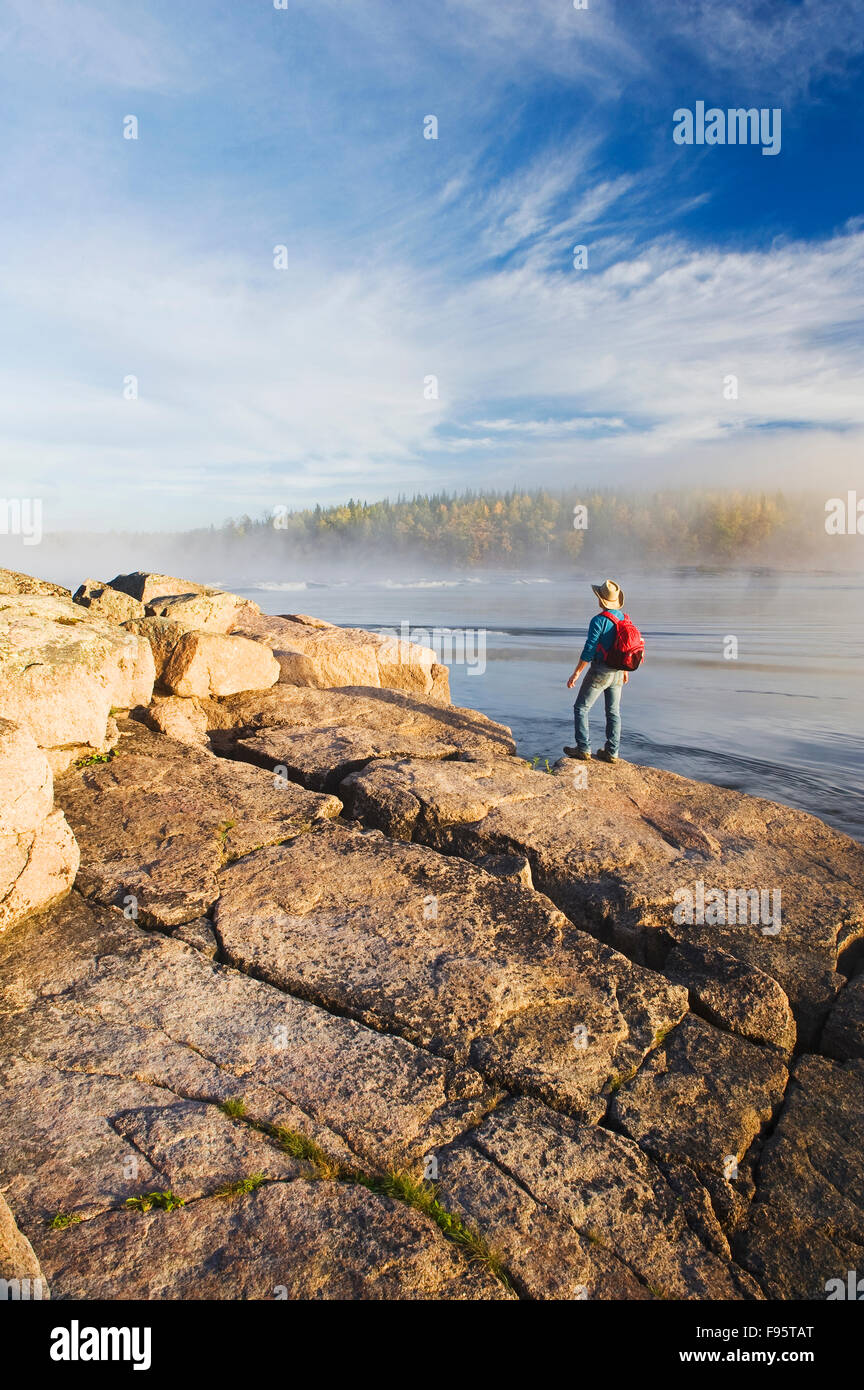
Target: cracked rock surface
x=320, y=736
x=158, y=821
x=132, y=1041
x=613, y=853
x=469, y=965
x=333, y=952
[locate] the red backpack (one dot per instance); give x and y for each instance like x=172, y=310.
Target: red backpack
x=628, y=645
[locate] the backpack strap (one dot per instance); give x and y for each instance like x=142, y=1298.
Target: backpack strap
x=616, y=621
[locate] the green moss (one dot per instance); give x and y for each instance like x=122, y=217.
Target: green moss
x=660, y=1292
x=616, y=1082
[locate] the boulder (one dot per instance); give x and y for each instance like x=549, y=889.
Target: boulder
x=38, y=853
x=306, y=619
x=20, y=1272
x=805, y=1230
x=406, y=666
x=162, y=635
x=37, y=870
x=105, y=602
x=733, y=995
x=843, y=1035
x=620, y=851
x=464, y=963
x=11, y=582
x=209, y=611
x=146, y=587
x=158, y=821
x=319, y=736
x=179, y=718
x=26, y=784
x=209, y=663
x=63, y=670
x=192, y=606
x=319, y=654
x=512, y=866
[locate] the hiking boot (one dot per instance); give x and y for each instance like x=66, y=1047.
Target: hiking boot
x=604, y=756
x=578, y=754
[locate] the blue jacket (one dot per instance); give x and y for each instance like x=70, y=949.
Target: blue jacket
x=601, y=629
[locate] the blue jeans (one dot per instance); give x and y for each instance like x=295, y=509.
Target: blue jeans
x=599, y=678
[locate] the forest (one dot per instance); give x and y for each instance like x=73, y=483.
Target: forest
x=526, y=529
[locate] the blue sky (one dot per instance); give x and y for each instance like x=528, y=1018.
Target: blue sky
x=409, y=257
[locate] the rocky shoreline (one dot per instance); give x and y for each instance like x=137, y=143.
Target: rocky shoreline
x=311, y=988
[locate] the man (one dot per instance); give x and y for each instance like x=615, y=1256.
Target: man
x=600, y=678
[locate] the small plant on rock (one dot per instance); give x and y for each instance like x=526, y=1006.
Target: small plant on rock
x=307, y=1151
x=97, y=758
x=163, y=1201
x=63, y=1219
x=241, y=1186
x=234, y=1107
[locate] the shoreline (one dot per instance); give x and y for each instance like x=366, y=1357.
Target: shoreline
x=286, y=922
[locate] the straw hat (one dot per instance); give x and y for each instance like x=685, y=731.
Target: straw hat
x=610, y=594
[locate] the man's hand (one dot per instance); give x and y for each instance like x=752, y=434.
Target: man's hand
x=626, y=677
x=576, y=674
x=572, y=681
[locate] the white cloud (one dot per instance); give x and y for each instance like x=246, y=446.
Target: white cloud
x=258, y=386
x=583, y=424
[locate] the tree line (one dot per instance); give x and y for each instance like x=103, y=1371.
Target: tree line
x=519, y=528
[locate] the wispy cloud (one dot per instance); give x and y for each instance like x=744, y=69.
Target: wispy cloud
x=786, y=47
